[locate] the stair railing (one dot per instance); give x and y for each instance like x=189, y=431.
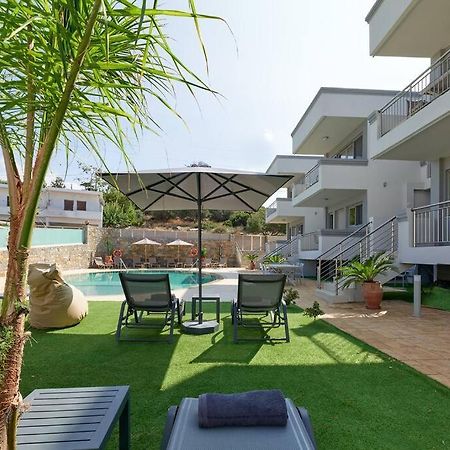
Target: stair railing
x=383, y=239
x=326, y=265
x=288, y=248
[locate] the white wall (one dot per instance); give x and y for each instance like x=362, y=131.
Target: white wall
x=383, y=20
x=315, y=220
x=419, y=255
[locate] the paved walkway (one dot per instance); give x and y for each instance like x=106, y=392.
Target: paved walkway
x=422, y=343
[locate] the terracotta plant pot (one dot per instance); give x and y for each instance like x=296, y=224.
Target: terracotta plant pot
x=252, y=265
x=372, y=294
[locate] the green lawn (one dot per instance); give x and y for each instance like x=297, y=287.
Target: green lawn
x=434, y=297
x=358, y=398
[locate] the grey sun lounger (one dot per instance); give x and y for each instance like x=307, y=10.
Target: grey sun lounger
x=259, y=295
x=147, y=294
x=183, y=433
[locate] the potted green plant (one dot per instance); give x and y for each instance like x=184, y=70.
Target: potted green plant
x=275, y=259
x=252, y=257
x=364, y=273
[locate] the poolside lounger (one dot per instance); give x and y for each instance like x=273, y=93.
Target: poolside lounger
x=98, y=262
x=260, y=295
x=137, y=262
x=151, y=262
x=147, y=293
x=207, y=262
x=182, y=431
x=222, y=262
x=170, y=262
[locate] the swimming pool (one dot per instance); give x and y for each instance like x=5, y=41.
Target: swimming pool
x=108, y=282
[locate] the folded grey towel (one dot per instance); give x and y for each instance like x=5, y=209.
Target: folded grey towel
x=255, y=408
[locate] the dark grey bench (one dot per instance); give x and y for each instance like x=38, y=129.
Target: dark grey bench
x=74, y=418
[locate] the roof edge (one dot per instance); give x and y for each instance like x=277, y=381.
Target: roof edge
x=373, y=10
x=344, y=91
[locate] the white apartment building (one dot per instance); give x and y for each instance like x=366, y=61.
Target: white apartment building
x=61, y=207
x=344, y=194
x=414, y=125
x=383, y=178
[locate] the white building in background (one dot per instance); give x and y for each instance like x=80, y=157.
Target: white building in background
x=61, y=207
x=341, y=191
x=415, y=124
x=383, y=179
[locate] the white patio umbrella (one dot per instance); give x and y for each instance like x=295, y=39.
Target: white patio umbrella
x=180, y=243
x=197, y=188
x=145, y=242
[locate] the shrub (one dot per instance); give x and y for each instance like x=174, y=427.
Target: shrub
x=314, y=311
x=290, y=295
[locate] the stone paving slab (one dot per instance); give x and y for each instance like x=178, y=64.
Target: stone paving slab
x=421, y=342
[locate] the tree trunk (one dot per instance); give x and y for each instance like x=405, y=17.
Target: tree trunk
x=13, y=337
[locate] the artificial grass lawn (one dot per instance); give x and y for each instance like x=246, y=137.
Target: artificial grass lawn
x=357, y=397
x=434, y=297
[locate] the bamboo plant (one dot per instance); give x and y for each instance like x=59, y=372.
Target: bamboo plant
x=71, y=72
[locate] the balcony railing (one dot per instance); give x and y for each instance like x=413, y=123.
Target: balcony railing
x=306, y=181
x=272, y=209
x=309, y=241
x=431, y=225
x=426, y=88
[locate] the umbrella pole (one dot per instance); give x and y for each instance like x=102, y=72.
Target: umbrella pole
x=199, y=255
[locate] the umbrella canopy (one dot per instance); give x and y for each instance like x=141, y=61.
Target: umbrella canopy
x=180, y=242
x=197, y=188
x=158, y=190
x=145, y=241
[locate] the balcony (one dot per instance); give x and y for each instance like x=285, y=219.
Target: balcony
x=291, y=164
x=413, y=28
x=282, y=211
x=414, y=124
x=424, y=235
x=331, y=181
x=332, y=116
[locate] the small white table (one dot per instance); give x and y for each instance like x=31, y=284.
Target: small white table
x=285, y=268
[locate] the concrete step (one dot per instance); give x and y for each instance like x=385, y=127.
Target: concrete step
x=347, y=295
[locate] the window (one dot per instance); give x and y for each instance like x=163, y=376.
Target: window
x=352, y=151
x=330, y=221
x=81, y=205
x=68, y=205
x=355, y=215
x=358, y=148
x=7, y=200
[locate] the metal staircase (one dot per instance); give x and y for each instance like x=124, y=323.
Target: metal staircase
x=358, y=246
x=288, y=249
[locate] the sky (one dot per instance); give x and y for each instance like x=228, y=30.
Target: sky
x=267, y=70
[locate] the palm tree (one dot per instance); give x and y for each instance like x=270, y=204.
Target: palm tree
x=70, y=71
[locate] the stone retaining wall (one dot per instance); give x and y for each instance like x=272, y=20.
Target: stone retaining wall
x=101, y=241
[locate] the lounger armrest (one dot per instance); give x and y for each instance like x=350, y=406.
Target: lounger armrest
x=303, y=413
x=171, y=414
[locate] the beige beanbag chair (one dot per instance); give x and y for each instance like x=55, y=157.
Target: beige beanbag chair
x=53, y=303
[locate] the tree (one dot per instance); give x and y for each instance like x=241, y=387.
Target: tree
x=256, y=223
x=58, y=182
x=119, y=211
x=70, y=71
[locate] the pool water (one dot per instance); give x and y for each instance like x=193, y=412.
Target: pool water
x=108, y=282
